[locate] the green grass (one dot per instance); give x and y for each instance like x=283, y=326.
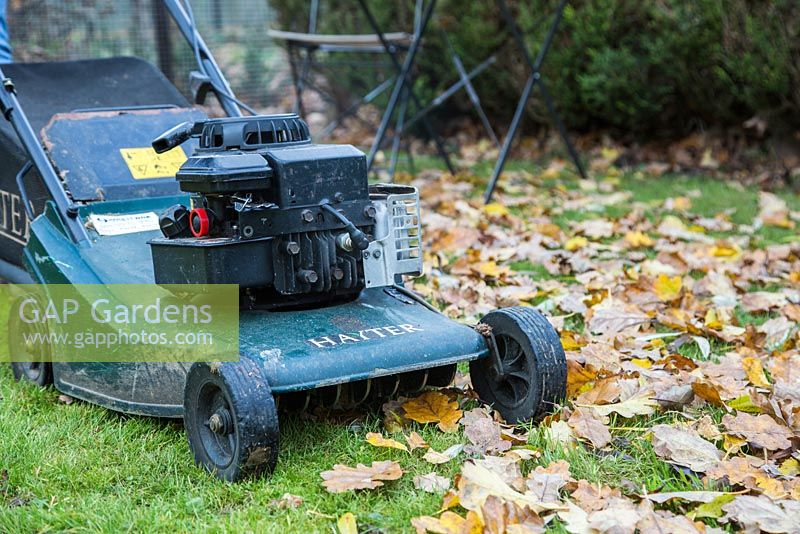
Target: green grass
x=81, y=468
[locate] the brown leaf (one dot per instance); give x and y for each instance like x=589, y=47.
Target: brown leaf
x=591, y=497
x=663, y=521
x=483, y=432
x=287, y=501
x=477, y=483
x=434, y=407
x=642, y=403
x=760, y=431
x=708, y=392
x=604, y=391
x=619, y=517
x=343, y=478
x=415, y=441
x=501, y=517
x=685, y=448
x=591, y=427
x=761, y=513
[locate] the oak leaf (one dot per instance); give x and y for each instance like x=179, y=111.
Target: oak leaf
x=343, y=478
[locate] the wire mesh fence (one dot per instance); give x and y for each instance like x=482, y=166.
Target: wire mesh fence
x=47, y=30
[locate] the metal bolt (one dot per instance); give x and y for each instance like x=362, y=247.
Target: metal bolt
x=338, y=197
x=376, y=254
x=72, y=211
x=247, y=231
x=307, y=276
x=337, y=273
x=293, y=248
x=370, y=212
x=307, y=216
x=366, y=255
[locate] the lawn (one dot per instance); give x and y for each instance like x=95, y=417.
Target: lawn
x=75, y=467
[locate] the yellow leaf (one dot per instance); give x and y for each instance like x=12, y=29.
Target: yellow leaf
x=725, y=251
x=744, y=404
x=640, y=404
x=667, y=289
x=755, y=372
x=347, y=524
x=790, y=468
x=434, y=407
x=576, y=243
x=712, y=320
x=638, y=239
x=495, y=210
x=548, y=229
x=377, y=440
x=733, y=444
x=644, y=363
x=569, y=341
x=491, y=269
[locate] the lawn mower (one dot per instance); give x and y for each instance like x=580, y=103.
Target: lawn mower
x=317, y=252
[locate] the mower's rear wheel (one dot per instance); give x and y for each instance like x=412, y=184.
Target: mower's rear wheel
x=39, y=372
x=526, y=376
x=231, y=419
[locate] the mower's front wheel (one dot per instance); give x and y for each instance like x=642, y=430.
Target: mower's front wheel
x=231, y=419
x=525, y=374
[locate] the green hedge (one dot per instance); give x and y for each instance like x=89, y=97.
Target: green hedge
x=640, y=66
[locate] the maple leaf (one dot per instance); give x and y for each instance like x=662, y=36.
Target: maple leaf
x=377, y=440
x=760, y=431
x=668, y=289
x=685, y=448
x=434, y=407
x=343, y=478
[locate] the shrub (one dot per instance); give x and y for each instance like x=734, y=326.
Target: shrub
x=640, y=66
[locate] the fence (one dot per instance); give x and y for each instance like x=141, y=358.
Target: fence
x=46, y=30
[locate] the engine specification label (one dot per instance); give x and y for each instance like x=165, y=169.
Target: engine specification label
x=146, y=164
x=129, y=223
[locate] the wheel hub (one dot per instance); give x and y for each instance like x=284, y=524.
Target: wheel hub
x=220, y=422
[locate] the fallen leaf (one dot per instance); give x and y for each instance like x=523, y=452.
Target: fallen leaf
x=377, y=440
x=449, y=523
x=640, y=404
x=287, y=500
x=690, y=496
x=590, y=427
x=755, y=372
x=347, y=524
x=638, y=239
x=761, y=513
x=415, y=441
x=434, y=407
x=761, y=431
x=343, y=478
x=502, y=517
x=432, y=483
x=591, y=497
x=685, y=448
x=431, y=456
x=477, y=483
x=668, y=289
x=620, y=516
x=575, y=243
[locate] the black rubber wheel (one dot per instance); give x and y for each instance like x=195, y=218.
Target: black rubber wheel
x=231, y=419
x=533, y=379
x=38, y=372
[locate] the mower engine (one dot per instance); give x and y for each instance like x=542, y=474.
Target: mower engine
x=287, y=220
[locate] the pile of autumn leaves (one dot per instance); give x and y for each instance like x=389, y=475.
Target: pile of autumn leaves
x=642, y=288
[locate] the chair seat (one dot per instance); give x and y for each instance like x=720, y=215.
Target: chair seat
x=359, y=40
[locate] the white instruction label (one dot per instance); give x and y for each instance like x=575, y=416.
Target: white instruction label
x=124, y=224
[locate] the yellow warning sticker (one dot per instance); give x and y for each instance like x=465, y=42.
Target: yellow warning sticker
x=145, y=163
